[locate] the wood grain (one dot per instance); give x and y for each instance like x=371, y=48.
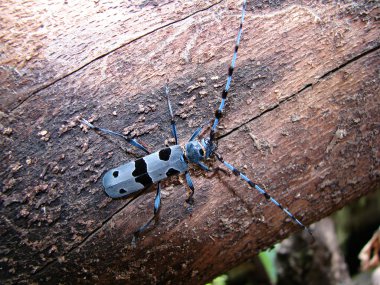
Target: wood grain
x=302, y=119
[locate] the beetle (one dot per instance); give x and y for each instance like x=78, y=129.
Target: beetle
x=137, y=175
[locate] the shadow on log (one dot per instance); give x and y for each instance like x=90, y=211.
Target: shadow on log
x=302, y=119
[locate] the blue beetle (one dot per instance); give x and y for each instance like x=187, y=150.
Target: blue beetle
x=137, y=175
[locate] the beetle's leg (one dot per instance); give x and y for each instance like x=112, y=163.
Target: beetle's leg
x=190, y=185
x=198, y=131
x=157, y=204
x=117, y=134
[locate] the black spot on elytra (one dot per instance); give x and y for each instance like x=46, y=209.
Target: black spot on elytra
x=122, y=191
x=141, y=173
x=140, y=167
x=164, y=154
x=144, y=179
x=172, y=171
x=115, y=173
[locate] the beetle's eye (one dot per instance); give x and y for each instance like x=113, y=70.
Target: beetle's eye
x=201, y=152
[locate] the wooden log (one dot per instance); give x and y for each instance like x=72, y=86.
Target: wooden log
x=302, y=119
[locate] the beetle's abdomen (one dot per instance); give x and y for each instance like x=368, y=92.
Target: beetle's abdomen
x=136, y=175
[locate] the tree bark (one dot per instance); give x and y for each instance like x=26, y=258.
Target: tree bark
x=302, y=119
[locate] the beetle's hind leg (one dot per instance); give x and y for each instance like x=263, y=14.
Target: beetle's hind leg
x=157, y=204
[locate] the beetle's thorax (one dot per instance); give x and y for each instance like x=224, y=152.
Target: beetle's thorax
x=196, y=151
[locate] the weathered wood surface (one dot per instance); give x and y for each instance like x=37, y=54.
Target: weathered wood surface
x=302, y=119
